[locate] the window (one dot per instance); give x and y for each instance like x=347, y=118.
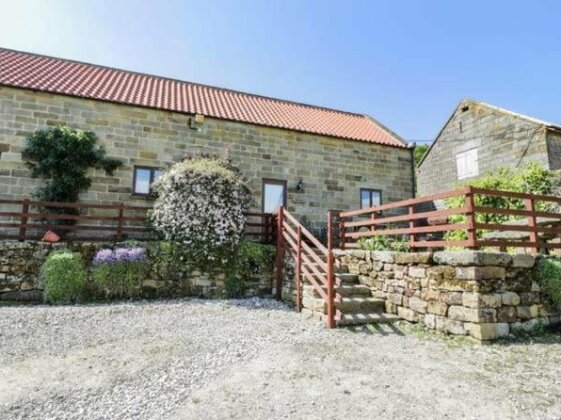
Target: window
x=466, y=164
x=370, y=198
x=143, y=179
x=274, y=195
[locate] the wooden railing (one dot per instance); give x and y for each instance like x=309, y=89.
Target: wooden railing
x=314, y=263
x=29, y=220
x=411, y=220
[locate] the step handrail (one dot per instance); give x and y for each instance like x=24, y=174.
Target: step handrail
x=292, y=237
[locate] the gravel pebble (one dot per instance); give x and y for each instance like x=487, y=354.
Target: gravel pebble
x=254, y=358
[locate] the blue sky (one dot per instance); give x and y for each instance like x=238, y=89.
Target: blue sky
x=406, y=63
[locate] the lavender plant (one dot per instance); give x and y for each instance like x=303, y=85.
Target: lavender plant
x=119, y=272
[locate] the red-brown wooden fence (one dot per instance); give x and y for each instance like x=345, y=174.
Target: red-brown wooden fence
x=29, y=220
x=411, y=220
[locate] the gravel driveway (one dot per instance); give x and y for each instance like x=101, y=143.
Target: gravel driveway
x=191, y=359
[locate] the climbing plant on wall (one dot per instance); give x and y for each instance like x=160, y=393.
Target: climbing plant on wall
x=61, y=157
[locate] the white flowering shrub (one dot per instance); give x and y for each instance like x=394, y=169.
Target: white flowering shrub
x=201, y=203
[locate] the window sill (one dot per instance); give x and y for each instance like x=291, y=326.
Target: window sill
x=145, y=197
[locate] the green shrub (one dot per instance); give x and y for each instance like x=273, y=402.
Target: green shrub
x=549, y=270
x=531, y=179
x=383, y=243
x=64, y=277
x=166, y=258
x=250, y=259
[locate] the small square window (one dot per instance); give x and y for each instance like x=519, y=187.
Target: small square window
x=467, y=165
x=370, y=197
x=143, y=179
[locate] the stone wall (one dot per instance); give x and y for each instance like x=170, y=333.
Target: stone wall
x=20, y=266
x=502, y=139
x=332, y=170
x=554, y=150
x=478, y=294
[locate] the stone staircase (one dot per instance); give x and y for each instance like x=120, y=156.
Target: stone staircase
x=356, y=305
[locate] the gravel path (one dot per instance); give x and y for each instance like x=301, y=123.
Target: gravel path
x=191, y=359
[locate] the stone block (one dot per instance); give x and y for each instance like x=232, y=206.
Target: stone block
x=529, y=325
x=483, y=332
x=529, y=298
x=413, y=257
x=407, y=314
x=418, y=304
x=510, y=298
x=480, y=273
x=451, y=326
x=472, y=258
x=430, y=321
x=428, y=294
x=395, y=298
x=475, y=315
x=437, y=308
x=451, y=298
x=391, y=308
x=417, y=272
x=440, y=272
x=481, y=300
x=382, y=256
x=506, y=314
x=527, y=312
x=523, y=261
x=488, y=331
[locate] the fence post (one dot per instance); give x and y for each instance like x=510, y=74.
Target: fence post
x=341, y=232
x=411, y=227
x=280, y=254
x=470, y=215
x=330, y=291
x=373, y=219
x=120, y=223
x=299, y=269
x=330, y=232
x=23, y=219
x=532, y=223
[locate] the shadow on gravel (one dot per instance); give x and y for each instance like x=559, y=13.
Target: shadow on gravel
x=550, y=334
x=378, y=329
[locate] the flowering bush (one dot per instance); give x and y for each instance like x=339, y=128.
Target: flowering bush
x=201, y=203
x=119, y=272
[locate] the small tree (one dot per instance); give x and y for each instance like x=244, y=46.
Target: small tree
x=419, y=152
x=201, y=203
x=61, y=156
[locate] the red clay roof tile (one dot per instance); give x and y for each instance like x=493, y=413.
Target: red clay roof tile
x=65, y=77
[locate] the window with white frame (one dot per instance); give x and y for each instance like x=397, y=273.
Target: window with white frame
x=466, y=164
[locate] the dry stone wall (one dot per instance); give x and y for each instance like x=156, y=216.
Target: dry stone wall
x=20, y=279
x=479, y=294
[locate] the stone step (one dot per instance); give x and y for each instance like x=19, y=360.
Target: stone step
x=349, y=305
x=366, y=318
x=343, y=290
x=347, y=278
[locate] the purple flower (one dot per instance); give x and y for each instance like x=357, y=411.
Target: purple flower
x=104, y=256
x=136, y=254
x=107, y=256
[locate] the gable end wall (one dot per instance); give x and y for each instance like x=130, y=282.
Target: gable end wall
x=502, y=140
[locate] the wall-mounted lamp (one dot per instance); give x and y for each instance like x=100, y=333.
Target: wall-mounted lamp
x=300, y=185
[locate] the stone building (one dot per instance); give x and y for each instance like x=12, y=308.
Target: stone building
x=479, y=138
x=309, y=158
